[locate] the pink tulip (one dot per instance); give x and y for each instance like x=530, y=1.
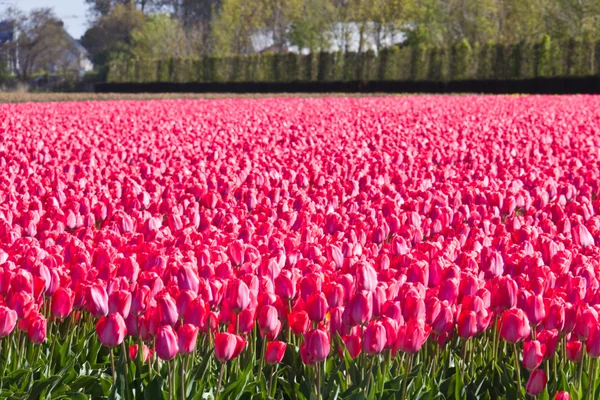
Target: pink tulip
x=514, y=326
x=8, y=321
x=536, y=383
x=111, y=330
x=167, y=343
x=533, y=354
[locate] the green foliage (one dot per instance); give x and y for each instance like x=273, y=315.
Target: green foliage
x=544, y=57
x=461, y=61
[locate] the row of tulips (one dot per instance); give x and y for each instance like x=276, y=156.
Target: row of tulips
x=426, y=247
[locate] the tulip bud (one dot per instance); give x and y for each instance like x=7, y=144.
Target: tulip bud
x=562, y=396
x=111, y=330
x=166, y=343
x=275, y=352
x=536, y=383
x=133, y=352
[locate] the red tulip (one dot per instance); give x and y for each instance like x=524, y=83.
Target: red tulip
x=514, y=326
x=586, y=321
x=186, y=338
x=239, y=296
x=36, y=327
x=467, y=324
x=62, y=303
x=360, y=308
x=140, y=300
x=119, y=301
x=166, y=344
x=285, y=287
x=574, y=351
x=592, y=345
x=533, y=354
x=8, y=320
x=226, y=346
x=412, y=336
x=111, y=330
x=535, y=310
x=299, y=322
x=562, y=396
x=268, y=319
x=353, y=345
x=275, y=352
x=133, y=352
x=167, y=310
x=97, y=301
x=549, y=339
x=316, y=307
x=375, y=338
x=536, y=383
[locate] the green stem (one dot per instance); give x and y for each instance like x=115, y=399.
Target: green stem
x=182, y=383
x=518, y=369
x=318, y=370
x=112, y=365
x=170, y=380
x=405, y=383
x=220, y=380
x=592, y=380
x=262, y=357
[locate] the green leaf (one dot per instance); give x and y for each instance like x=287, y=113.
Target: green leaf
x=154, y=390
x=40, y=386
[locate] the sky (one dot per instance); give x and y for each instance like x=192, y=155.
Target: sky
x=72, y=12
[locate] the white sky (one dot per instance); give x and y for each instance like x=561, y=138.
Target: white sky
x=72, y=12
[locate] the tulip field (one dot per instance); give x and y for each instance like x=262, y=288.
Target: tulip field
x=421, y=247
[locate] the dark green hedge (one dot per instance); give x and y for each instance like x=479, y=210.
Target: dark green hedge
x=419, y=63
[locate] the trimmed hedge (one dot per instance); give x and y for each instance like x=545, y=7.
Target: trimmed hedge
x=462, y=61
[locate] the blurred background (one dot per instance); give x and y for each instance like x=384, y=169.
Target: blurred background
x=68, y=44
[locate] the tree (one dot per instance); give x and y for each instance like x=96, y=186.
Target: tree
x=159, y=37
x=103, y=7
x=277, y=17
x=312, y=28
x=235, y=24
x=41, y=41
x=112, y=35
